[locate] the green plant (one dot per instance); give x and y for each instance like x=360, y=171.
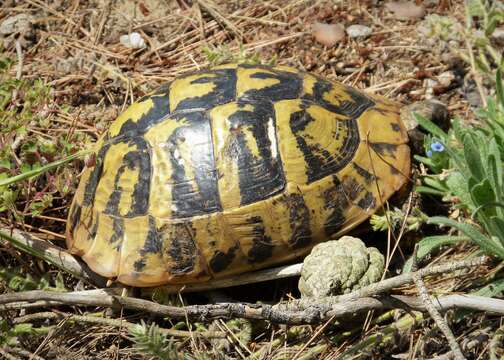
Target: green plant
x=26, y=150
x=469, y=172
x=149, y=340
x=9, y=334
x=481, y=20
x=18, y=281
x=396, y=218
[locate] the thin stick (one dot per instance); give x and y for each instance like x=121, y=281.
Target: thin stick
x=215, y=13
x=280, y=272
x=388, y=284
x=110, y=322
x=436, y=316
x=315, y=313
x=296, y=312
x=50, y=253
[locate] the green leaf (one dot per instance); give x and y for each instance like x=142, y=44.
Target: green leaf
x=484, y=242
x=494, y=289
x=472, y=153
x=458, y=185
x=436, y=183
x=429, y=244
x=498, y=87
x=22, y=328
x=429, y=190
x=482, y=193
x=498, y=225
x=5, y=163
x=35, y=172
x=475, y=8
x=495, y=168
x=430, y=127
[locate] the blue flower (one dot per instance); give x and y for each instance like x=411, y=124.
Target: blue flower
x=437, y=147
x=429, y=153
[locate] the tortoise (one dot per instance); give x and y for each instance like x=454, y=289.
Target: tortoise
x=232, y=169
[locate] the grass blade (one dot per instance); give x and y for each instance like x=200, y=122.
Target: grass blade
x=43, y=169
x=430, y=127
x=486, y=243
x=431, y=243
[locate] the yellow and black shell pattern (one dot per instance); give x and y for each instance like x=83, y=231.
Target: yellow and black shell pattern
x=233, y=169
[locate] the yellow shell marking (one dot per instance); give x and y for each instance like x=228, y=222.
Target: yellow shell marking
x=224, y=137
x=246, y=82
x=293, y=160
x=184, y=88
x=111, y=164
x=134, y=113
x=309, y=82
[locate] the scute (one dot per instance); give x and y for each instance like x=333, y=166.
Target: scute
x=233, y=169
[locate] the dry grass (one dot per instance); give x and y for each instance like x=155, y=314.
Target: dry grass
x=74, y=48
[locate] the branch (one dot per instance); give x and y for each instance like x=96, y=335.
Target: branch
x=316, y=313
x=435, y=315
x=120, y=323
x=295, y=312
x=389, y=284
x=50, y=253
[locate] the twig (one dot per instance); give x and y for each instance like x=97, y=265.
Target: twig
x=436, y=316
x=446, y=356
x=295, y=312
x=315, y=313
x=388, y=284
x=496, y=343
x=19, y=70
x=250, y=278
x=215, y=13
x=50, y=253
x=22, y=352
x=110, y=322
x=19, y=52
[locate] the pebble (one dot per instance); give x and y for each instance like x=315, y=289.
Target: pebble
x=15, y=24
x=406, y=10
x=133, y=41
x=498, y=35
x=357, y=31
x=328, y=34
x=446, y=78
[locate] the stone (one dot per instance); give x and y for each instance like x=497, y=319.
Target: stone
x=328, y=34
x=20, y=23
x=358, y=31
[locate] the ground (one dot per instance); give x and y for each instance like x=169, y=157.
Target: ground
x=68, y=68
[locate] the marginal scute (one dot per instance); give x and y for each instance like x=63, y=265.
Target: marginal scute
x=233, y=169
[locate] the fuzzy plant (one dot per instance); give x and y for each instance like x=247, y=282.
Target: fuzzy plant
x=466, y=165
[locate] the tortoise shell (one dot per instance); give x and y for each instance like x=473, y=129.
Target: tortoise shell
x=232, y=169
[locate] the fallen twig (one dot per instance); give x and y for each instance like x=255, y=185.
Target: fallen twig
x=433, y=312
x=50, y=253
x=112, y=322
x=389, y=284
x=295, y=312
x=315, y=313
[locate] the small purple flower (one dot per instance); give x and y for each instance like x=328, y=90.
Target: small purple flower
x=437, y=147
x=429, y=153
